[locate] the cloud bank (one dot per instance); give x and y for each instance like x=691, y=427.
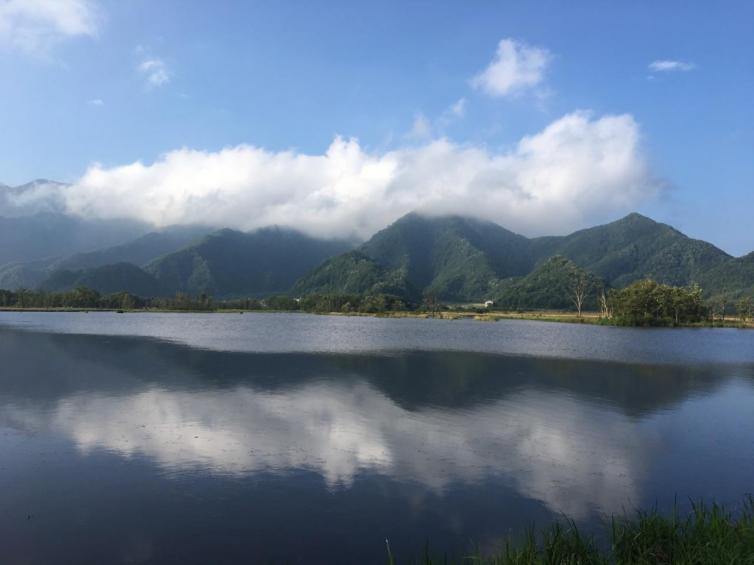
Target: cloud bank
x=578, y=170
x=34, y=25
x=32, y=198
x=515, y=68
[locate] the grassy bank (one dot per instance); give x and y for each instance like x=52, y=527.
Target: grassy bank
x=707, y=535
x=593, y=318
x=459, y=313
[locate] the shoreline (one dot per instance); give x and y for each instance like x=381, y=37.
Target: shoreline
x=552, y=316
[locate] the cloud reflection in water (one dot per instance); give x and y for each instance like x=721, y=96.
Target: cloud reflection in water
x=574, y=456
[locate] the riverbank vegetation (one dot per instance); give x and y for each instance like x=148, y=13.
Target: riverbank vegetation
x=648, y=303
x=708, y=534
x=643, y=303
x=86, y=299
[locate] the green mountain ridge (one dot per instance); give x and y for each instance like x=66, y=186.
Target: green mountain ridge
x=731, y=280
x=463, y=259
x=354, y=273
x=140, y=251
x=453, y=258
x=14, y=276
x=231, y=263
x=224, y=263
x=51, y=235
x=633, y=248
x=106, y=279
x=549, y=287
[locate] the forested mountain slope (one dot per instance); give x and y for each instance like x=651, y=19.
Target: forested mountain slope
x=107, y=279
x=140, y=251
x=51, y=235
x=453, y=257
x=633, y=248
x=233, y=263
x=462, y=259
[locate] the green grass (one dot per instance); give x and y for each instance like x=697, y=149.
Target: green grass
x=709, y=534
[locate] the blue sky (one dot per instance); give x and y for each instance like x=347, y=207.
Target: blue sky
x=116, y=83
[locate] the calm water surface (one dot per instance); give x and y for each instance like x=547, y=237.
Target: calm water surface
x=182, y=438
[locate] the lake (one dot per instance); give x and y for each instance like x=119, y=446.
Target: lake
x=288, y=438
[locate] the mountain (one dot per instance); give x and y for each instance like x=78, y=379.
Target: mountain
x=550, y=287
x=107, y=279
x=140, y=251
x=457, y=259
x=634, y=248
x=233, y=263
x=48, y=235
x=34, y=197
x=183, y=259
x=353, y=273
x=462, y=259
x=732, y=279
x=14, y=276
x=453, y=257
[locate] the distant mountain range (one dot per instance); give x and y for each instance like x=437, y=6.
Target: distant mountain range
x=233, y=263
x=457, y=259
x=48, y=235
x=107, y=279
x=223, y=263
x=60, y=234
x=463, y=259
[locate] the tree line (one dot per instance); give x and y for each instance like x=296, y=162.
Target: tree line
x=85, y=298
x=643, y=303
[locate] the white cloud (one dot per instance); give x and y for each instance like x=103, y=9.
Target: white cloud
x=95, y=102
x=35, y=25
x=458, y=108
x=424, y=128
x=577, y=171
x=664, y=66
x=155, y=71
x=515, y=68
x=421, y=128
x=452, y=114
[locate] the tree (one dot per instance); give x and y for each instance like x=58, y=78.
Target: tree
x=604, y=303
x=82, y=297
x=579, y=290
x=718, y=309
x=430, y=303
x=6, y=298
x=745, y=308
x=127, y=302
x=22, y=295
